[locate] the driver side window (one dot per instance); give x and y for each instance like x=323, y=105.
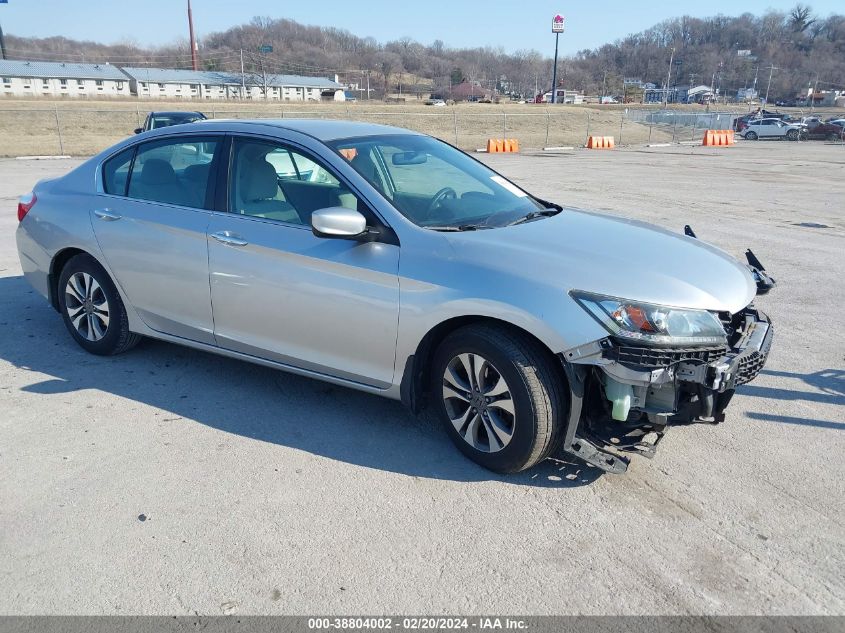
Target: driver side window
x=274, y=182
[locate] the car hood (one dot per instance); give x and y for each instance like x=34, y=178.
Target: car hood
x=580, y=250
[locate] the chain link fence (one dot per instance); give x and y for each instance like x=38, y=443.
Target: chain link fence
x=682, y=126
x=86, y=131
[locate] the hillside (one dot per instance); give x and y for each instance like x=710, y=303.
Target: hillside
x=803, y=48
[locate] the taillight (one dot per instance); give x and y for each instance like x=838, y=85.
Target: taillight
x=25, y=203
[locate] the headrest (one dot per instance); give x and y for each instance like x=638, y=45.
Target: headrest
x=260, y=181
x=198, y=173
x=158, y=172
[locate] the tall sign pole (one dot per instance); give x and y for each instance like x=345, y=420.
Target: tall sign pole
x=557, y=29
x=193, y=39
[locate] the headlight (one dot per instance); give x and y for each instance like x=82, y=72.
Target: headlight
x=653, y=324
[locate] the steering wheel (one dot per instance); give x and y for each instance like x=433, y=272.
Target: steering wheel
x=446, y=193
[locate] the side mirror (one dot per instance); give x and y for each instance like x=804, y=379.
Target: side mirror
x=138, y=130
x=338, y=223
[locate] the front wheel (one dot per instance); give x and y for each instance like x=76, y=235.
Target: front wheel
x=92, y=309
x=499, y=396
x=751, y=136
x=792, y=135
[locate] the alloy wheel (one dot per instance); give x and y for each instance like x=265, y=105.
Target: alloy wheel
x=479, y=403
x=87, y=306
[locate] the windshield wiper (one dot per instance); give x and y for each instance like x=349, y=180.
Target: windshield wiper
x=545, y=213
x=458, y=229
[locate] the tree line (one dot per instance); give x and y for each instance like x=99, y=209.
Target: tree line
x=798, y=48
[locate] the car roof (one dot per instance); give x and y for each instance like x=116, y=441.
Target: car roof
x=321, y=129
x=177, y=113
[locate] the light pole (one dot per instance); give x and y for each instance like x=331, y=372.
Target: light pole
x=557, y=29
x=668, y=79
x=772, y=70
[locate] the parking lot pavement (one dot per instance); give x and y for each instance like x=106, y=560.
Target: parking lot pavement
x=173, y=481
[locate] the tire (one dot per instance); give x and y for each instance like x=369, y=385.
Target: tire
x=92, y=309
x=792, y=135
x=535, y=393
x=751, y=136
x=832, y=137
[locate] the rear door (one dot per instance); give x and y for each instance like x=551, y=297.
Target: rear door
x=150, y=220
x=772, y=128
x=281, y=293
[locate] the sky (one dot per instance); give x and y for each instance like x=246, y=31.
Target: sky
x=459, y=23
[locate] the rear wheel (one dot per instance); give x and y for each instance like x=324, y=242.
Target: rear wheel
x=499, y=396
x=833, y=136
x=751, y=136
x=92, y=309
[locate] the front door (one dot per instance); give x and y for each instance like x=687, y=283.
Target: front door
x=151, y=224
x=279, y=292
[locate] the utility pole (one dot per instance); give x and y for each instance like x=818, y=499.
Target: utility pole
x=2, y=43
x=193, y=39
x=243, y=77
x=603, y=88
x=668, y=79
x=772, y=70
x=813, y=95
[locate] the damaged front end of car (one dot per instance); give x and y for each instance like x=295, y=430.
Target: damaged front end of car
x=659, y=367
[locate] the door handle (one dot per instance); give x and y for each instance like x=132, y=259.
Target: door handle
x=226, y=237
x=107, y=215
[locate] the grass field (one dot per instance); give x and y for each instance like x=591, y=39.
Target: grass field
x=31, y=127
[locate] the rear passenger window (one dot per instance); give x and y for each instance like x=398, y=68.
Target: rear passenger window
x=174, y=171
x=116, y=172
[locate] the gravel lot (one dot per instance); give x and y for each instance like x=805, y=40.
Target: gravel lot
x=168, y=481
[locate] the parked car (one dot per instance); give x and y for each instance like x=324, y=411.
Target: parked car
x=157, y=120
x=772, y=128
x=828, y=131
x=528, y=327
x=437, y=103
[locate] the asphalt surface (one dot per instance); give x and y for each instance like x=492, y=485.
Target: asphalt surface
x=168, y=481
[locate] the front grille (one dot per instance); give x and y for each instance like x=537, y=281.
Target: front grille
x=655, y=357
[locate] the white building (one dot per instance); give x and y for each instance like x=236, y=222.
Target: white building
x=54, y=79
x=168, y=83
x=567, y=97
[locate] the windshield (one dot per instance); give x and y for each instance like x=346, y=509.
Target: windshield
x=434, y=185
x=174, y=119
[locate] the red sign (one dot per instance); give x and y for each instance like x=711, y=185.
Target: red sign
x=558, y=24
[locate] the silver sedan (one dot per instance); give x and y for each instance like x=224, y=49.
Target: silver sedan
x=388, y=261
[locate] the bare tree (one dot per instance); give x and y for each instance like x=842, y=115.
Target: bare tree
x=255, y=73
x=800, y=18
